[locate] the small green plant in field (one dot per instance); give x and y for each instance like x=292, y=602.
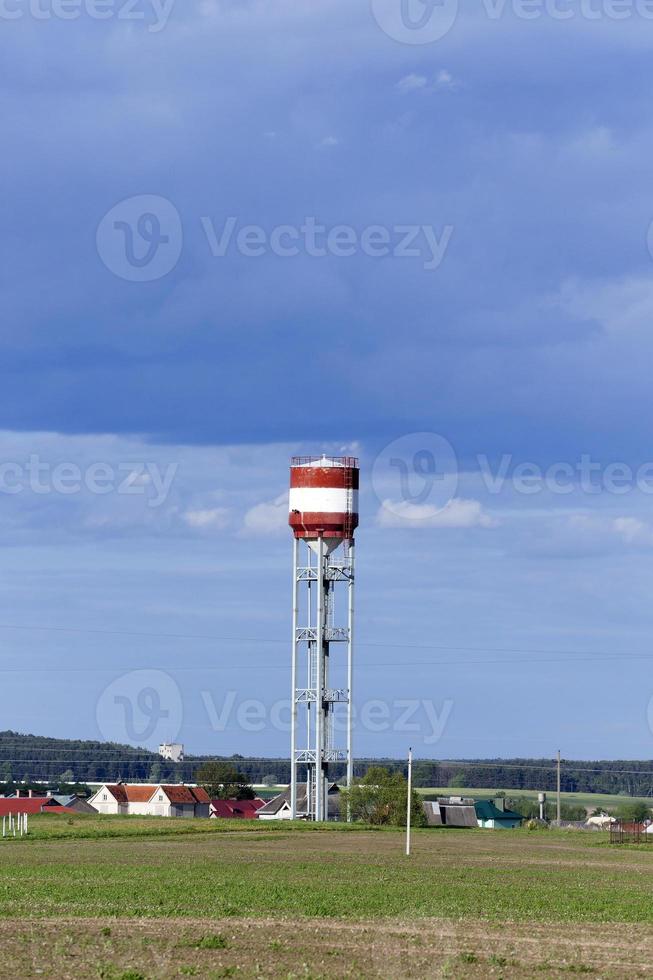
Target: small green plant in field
x=105, y=931
x=189, y=971
x=211, y=942
x=276, y=944
x=132, y=975
x=468, y=958
x=498, y=960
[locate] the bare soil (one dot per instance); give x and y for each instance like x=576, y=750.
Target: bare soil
x=133, y=949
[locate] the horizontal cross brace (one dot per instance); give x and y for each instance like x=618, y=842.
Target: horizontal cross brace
x=328, y=755
x=331, y=634
x=332, y=573
x=335, y=695
x=339, y=695
x=304, y=695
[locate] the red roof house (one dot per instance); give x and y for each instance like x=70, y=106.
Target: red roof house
x=149, y=799
x=236, y=809
x=34, y=804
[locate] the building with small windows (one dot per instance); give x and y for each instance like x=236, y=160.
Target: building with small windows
x=148, y=800
x=172, y=751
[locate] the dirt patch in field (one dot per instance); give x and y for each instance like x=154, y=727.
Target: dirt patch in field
x=140, y=949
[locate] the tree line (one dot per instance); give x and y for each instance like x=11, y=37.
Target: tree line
x=38, y=758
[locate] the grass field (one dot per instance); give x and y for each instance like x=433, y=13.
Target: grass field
x=610, y=801
x=589, y=800
x=131, y=898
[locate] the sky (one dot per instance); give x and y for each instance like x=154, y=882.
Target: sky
x=419, y=233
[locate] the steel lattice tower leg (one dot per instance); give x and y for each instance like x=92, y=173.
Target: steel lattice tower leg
x=350, y=664
x=318, y=700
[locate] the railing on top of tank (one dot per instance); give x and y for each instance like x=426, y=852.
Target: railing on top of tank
x=346, y=461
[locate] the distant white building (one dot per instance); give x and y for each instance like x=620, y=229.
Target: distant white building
x=148, y=800
x=172, y=751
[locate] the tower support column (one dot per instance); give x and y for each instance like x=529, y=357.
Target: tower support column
x=323, y=515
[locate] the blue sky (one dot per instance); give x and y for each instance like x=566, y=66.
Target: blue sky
x=514, y=153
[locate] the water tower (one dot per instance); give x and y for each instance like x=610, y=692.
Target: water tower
x=323, y=504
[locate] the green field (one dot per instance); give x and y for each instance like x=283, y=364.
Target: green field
x=273, y=900
x=588, y=800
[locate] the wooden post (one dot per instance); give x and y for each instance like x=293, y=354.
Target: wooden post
x=409, y=800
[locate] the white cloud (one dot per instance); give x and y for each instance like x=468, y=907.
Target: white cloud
x=268, y=518
x=622, y=306
x=213, y=519
x=412, y=82
x=330, y=141
x=584, y=534
x=444, y=79
x=457, y=513
x=633, y=531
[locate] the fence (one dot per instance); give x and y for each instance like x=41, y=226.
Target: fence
x=629, y=832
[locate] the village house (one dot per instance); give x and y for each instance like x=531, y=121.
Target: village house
x=148, y=800
x=76, y=803
x=458, y=811
x=31, y=805
x=235, y=809
x=496, y=815
x=450, y=811
x=279, y=807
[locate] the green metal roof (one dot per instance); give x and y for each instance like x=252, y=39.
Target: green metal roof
x=486, y=810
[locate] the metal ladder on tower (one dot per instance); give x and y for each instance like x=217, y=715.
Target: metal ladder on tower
x=348, y=479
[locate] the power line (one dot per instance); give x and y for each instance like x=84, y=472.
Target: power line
x=565, y=654
x=361, y=665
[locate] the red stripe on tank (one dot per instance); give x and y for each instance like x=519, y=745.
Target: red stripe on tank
x=338, y=477
x=311, y=523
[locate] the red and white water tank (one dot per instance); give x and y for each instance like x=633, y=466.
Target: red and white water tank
x=323, y=499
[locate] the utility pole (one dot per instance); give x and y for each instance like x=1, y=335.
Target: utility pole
x=558, y=788
x=410, y=794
